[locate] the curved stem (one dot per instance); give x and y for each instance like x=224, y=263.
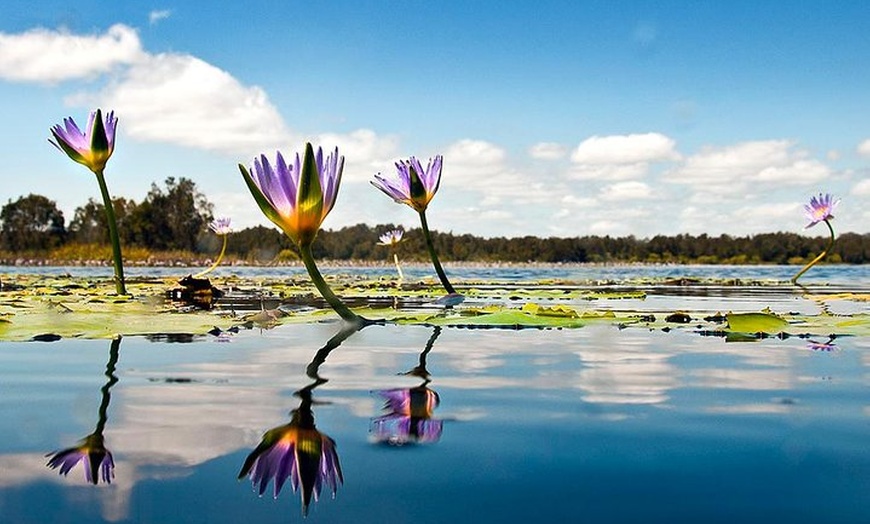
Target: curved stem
x=434, y=255
x=313, y=368
x=822, y=255
x=343, y=311
x=216, y=262
x=120, y=287
x=110, y=374
x=398, y=268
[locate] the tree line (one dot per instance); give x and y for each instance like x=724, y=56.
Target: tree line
x=176, y=217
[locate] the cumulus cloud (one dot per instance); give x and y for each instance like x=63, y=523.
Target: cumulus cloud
x=547, y=151
x=482, y=166
x=168, y=97
x=622, y=191
x=478, y=154
x=864, y=148
x=621, y=157
x=365, y=152
x=476, y=163
x=180, y=99
x=46, y=56
x=733, y=168
x=625, y=149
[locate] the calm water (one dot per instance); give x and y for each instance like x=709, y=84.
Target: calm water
x=594, y=424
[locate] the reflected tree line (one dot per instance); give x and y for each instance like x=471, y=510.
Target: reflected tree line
x=175, y=218
x=296, y=451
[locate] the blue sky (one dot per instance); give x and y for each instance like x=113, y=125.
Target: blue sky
x=556, y=118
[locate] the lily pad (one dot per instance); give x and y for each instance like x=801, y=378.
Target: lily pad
x=763, y=322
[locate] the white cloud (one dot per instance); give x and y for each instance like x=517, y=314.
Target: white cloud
x=180, y=99
x=862, y=188
x=625, y=149
x=547, y=151
x=365, y=152
x=481, y=166
x=800, y=171
x=620, y=157
x=733, y=169
x=45, y=56
x=864, y=148
x=609, y=172
x=759, y=216
x=608, y=227
x=475, y=153
x=622, y=191
x=158, y=15
x=476, y=163
x=170, y=97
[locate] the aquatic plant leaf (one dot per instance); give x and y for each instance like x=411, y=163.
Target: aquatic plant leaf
x=85, y=307
x=550, y=311
x=762, y=322
x=508, y=318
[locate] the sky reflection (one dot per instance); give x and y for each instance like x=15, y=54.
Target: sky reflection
x=177, y=410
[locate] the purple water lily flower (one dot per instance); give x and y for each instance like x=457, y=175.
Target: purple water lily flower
x=297, y=451
x=391, y=238
x=296, y=196
x=409, y=416
x=91, y=148
x=820, y=209
x=415, y=186
x=221, y=226
x=92, y=453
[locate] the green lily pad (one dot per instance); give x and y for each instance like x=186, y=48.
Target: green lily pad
x=42, y=306
x=763, y=322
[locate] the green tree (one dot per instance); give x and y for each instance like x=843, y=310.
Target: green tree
x=89, y=225
x=31, y=223
x=172, y=218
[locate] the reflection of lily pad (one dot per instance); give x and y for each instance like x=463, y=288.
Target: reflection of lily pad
x=755, y=322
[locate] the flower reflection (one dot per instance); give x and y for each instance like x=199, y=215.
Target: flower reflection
x=91, y=450
x=92, y=453
x=827, y=345
x=295, y=451
x=409, y=417
x=409, y=411
x=298, y=451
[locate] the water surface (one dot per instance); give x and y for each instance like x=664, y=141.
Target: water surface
x=594, y=424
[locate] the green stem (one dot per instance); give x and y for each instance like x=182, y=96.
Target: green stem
x=434, y=255
x=216, y=262
x=822, y=255
x=321, y=285
x=110, y=374
x=398, y=268
x=113, y=234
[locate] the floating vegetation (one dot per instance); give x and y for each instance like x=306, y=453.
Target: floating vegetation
x=48, y=308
